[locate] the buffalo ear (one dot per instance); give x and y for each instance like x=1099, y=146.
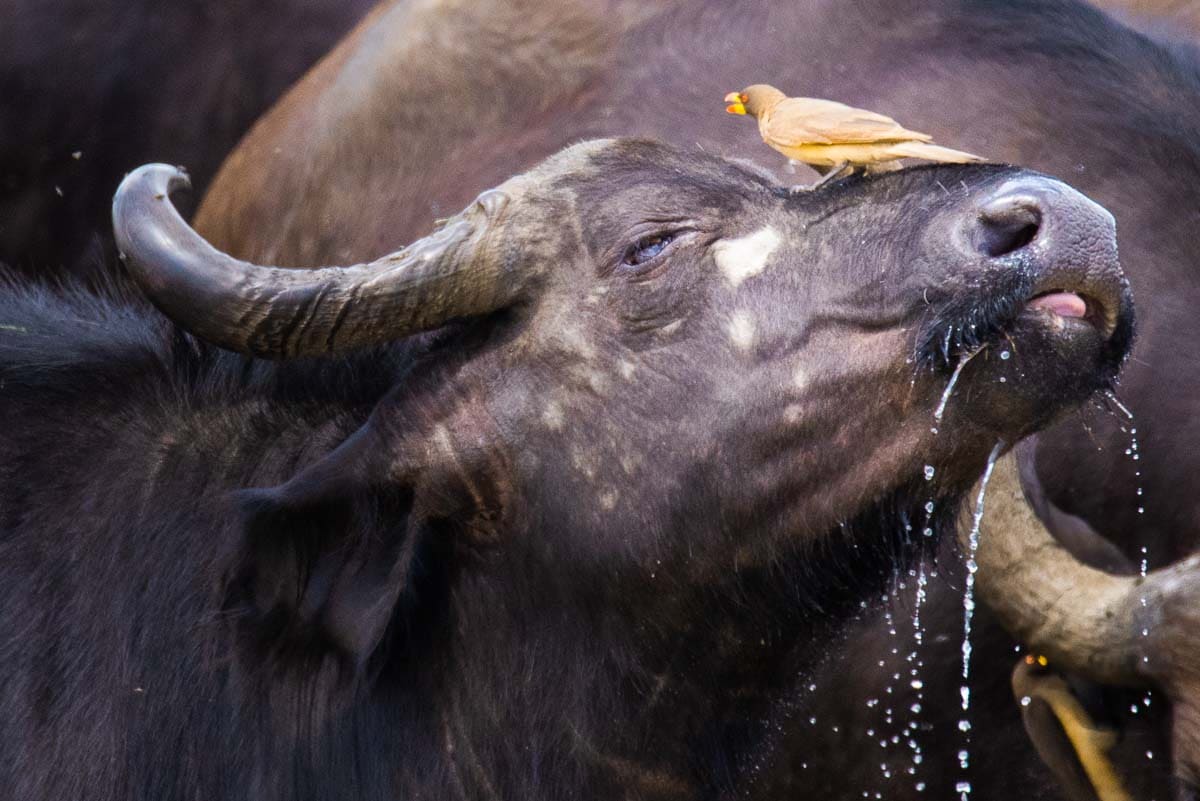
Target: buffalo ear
x=328, y=556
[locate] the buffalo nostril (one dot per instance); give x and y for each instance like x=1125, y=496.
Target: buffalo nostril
x=1006, y=225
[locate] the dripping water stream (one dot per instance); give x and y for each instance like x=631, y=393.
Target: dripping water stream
x=915, y=682
x=1144, y=565
x=964, y=724
x=941, y=409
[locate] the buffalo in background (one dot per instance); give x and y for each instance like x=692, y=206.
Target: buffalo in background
x=363, y=151
x=91, y=89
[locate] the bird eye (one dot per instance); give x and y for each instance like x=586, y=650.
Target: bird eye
x=646, y=249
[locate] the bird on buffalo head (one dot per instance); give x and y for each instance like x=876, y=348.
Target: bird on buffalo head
x=830, y=136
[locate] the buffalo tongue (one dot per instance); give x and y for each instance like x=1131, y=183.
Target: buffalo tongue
x=1064, y=304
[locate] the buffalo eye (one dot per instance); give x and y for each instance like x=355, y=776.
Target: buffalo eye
x=646, y=249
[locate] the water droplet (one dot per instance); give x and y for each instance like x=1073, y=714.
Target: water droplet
x=917, y=684
x=1003, y=380
x=929, y=507
x=1026, y=700
x=964, y=725
x=1005, y=355
x=928, y=532
x=963, y=787
x=929, y=472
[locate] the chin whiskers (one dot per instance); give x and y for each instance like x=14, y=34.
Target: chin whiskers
x=969, y=320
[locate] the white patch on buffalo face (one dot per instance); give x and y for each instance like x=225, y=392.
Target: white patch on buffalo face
x=799, y=378
x=608, y=499
x=598, y=382
x=746, y=256
x=552, y=416
x=741, y=330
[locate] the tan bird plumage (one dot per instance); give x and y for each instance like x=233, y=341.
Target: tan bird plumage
x=831, y=136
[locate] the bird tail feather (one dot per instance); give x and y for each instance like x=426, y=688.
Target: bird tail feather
x=922, y=150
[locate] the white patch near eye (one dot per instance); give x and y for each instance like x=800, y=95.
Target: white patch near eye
x=741, y=330
x=746, y=256
x=608, y=499
x=552, y=416
x=597, y=381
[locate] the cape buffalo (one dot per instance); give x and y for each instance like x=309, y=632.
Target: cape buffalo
x=555, y=502
x=367, y=147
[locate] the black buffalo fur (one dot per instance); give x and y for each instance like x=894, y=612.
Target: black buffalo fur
x=168, y=629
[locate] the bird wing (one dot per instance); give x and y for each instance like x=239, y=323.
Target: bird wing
x=809, y=121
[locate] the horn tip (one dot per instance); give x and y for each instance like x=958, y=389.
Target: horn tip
x=146, y=184
x=158, y=180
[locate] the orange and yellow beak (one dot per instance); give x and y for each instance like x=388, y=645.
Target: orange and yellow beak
x=736, y=103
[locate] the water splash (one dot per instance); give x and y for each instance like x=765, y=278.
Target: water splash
x=964, y=724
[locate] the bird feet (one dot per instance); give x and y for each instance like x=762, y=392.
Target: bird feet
x=843, y=170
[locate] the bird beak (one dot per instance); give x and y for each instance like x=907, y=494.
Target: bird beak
x=736, y=103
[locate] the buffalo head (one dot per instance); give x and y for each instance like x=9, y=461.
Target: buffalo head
x=654, y=382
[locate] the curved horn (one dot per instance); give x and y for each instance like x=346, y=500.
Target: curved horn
x=1084, y=620
x=1123, y=630
x=277, y=313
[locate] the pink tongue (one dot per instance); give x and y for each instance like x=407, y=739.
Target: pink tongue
x=1064, y=304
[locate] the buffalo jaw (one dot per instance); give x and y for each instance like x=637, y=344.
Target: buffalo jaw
x=1129, y=631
